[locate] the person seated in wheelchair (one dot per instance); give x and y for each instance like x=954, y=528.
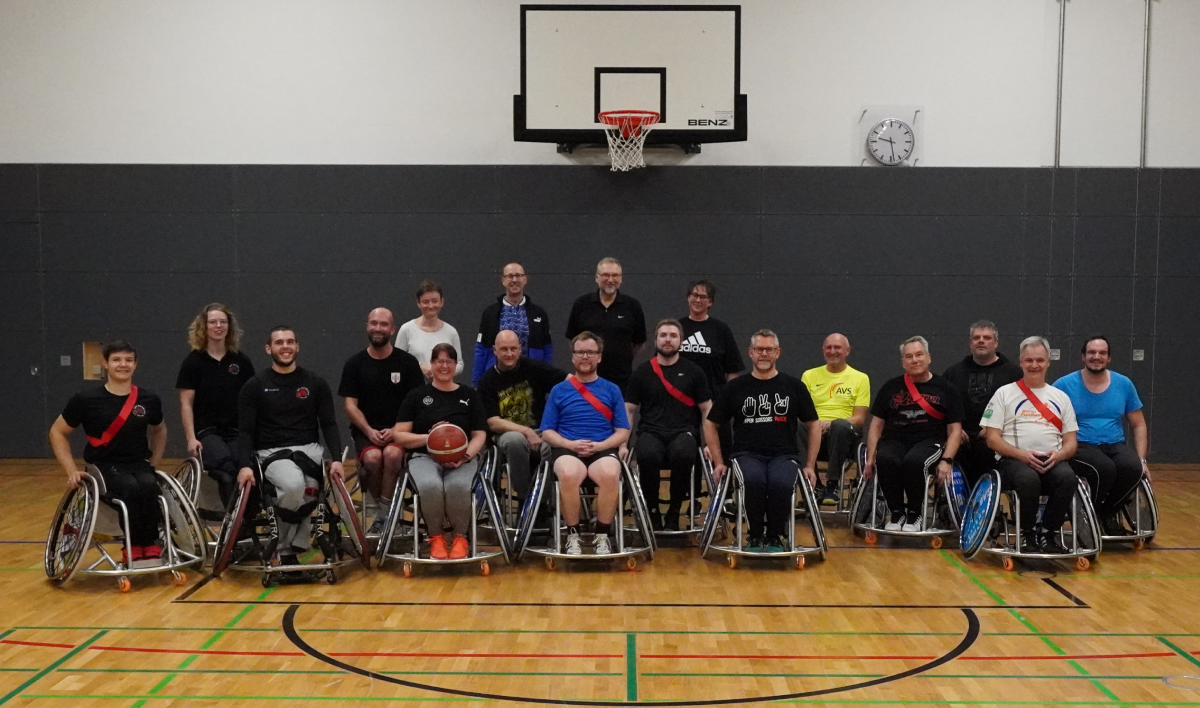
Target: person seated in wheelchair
x=916, y=419
x=842, y=395
x=280, y=412
x=126, y=437
x=1031, y=426
x=766, y=407
x=514, y=393
x=1103, y=400
x=209, y=380
x=444, y=488
x=667, y=398
x=585, y=424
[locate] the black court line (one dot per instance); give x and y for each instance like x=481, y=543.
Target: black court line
x=972, y=633
x=714, y=605
x=192, y=590
x=1065, y=593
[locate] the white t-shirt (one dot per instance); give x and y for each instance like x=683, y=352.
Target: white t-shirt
x=416, y=341
x=1020, y=423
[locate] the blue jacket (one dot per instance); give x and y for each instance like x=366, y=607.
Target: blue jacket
x=540, y=347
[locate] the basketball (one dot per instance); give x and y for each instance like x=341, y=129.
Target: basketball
x=447, y=443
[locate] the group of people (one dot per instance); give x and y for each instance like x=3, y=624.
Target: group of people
x=689, y=399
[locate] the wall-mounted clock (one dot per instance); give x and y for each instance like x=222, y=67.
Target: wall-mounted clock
x=891, y=142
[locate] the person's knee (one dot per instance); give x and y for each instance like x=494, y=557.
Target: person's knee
x=569, y=470
x=840, y=428
x=371, y=460
x=393, y=457
x=605, y=472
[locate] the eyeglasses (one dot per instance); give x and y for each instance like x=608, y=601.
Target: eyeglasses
x=513, y=276
x=586, y=354
x=218, y=322
x=699, y=296
x=764, y=351
x=609, y=276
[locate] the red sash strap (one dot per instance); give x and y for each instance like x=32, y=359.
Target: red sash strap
x=679, y=395
x=1041, y=407
x=118, y=422
x=920, y=400
x=591, y=398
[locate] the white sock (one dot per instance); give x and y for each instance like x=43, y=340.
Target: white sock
x=383, y=508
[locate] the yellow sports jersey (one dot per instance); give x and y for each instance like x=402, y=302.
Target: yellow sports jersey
x=836, y=395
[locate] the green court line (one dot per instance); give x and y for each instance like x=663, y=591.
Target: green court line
x=338, y=672
x=62, y=660
x=631, y=675
x=7, y=632
x=1178, y=651
x=999, y=600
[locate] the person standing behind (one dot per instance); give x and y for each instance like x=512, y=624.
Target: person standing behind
x=709, y=344
x=418, y=337
x=615, y=317
x=515, y=312
x=977, y=377
x=842, y=396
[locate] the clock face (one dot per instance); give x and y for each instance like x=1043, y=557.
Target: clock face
x=891, y=141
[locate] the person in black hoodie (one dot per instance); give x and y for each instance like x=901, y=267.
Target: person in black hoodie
x=977, y=377
x=512, y=311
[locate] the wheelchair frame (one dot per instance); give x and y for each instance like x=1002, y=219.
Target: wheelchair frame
x=693, y=500
x=1138, y=501
x=939, y=497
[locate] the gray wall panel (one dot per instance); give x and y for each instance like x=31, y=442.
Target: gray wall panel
x=135, y=187
x=22, y=296
x=1102, y=305
x=139, y=242
x=19, y=242
x=1179, y=246
x=364, y=188
x=1107, y=192
x=1104, y=245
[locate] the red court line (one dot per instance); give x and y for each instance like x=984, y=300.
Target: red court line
x=37, y=644
x=457, y=655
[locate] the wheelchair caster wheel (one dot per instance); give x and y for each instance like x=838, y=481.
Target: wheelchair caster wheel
x=1139, y=544
x=731, y=560
x=872, y=538
x=935, y=542
x=630, y=563
x=1008, y=563
x=485, y=569
x=1082, y=563
x=331, y=577
x=550, y=563
x=123, y=584
x=408, y=570
x=266, y=580
x=799, y=562
x=178, y=578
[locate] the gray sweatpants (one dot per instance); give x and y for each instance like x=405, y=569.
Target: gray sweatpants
x=292, y=489
x=516, y=451
x=445, y=493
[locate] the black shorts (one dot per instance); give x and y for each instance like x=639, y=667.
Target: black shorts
x=557, y=452
x=362, y=443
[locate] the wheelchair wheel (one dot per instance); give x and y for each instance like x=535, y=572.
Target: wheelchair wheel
x=814, y=515
x=484, y=489
x=231, y=529
x=980, y=514
x=349, y=517
x=640, y=513
x=712, y=520
x=529, y=511
x=188, y=475
x=71, y=531
x=956, y=493
x=186, y=530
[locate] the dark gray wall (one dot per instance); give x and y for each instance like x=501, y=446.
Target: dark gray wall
x=93, y=252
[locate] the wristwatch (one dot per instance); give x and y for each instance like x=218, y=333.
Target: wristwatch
x=948, y=459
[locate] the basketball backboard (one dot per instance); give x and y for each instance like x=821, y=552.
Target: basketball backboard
x=683, y=61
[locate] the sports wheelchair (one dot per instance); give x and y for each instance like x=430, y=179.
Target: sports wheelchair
x=545, y=503
x=731, y=523
x=701, y=474
x=249, y=534
x=989, y=528
x=202, y=490
x=89, y=518
x=1137, y=512
x=941, y=508
x=405, y=530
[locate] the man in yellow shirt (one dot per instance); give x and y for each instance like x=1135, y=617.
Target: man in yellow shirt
x=842, y=396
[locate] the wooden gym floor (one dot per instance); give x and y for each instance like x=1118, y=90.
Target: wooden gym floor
x=894, y=625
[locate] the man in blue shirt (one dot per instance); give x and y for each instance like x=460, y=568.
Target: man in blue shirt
x=1102, y=399
x=585, y=423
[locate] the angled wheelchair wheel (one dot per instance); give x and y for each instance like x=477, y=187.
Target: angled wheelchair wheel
x=186, y=529
x=956, y=494
x=529, y=512
x=640, y=513
x=231, y=529
x=814, y=515
x=188, y=475
x=483, y=488
x=716, y=505
x=71, y=531
x=1088, y=533
x=344, y=504
x=980, y=514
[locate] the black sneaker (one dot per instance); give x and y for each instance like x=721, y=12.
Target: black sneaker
x=1111, y=525
x=1050, y=544
x=754, y=544
x=776, y=544
x=289, y=559
x=671, y=519
x=1030, y=542
x=830, y=496
x=656, y=520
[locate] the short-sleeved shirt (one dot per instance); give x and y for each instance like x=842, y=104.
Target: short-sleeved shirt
x=766, y=414
x=836, y=395
x=906, y=421
x=95, y=409
x=711, y=346
x=216, y=383
x=519, y=394
x=571, y=416
x=380, y=385
x=427, y=406
x=658, y=411
x=1100, y=415
x=621, y=325
x=1020, y=423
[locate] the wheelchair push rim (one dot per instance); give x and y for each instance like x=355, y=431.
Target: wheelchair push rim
x=484, y=489
x=79, y=507
x=231, y=527
x=716, y=506
x=529, y=512
x=349, y=518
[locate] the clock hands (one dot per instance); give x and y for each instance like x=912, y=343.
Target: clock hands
x=892, y=143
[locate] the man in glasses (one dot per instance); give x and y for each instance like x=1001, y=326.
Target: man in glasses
x=585, y=424
x=515, y=312
x=614, y=317
x=709, y=343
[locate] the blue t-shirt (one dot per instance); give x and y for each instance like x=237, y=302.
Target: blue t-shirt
x=1100, y=414
x=571, y=416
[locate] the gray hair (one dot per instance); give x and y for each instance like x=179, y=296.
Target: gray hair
x=1034, y=341
x=608, y=259
x=917, y=339
x=764, y=333
x=984, y=324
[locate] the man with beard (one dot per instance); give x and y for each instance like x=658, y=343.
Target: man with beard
x=1102, y=399
x=280, y=412
x=374, y=384
x=842, y=396
x=615, y=317
x=514, y=312
x=977, y=377
x=666, y=399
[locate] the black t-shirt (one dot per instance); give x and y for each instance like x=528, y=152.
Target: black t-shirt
x=711, y=346
x=217, y=384
x=380, y=385
x=976, y=384
x=281, y=410
x=659, y=412
x=95, y=409
x=426, y=406
x=621, y=325
x=766, y=414
x=519, y=395
x=905, y=420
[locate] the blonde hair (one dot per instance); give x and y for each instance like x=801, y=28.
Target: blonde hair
x=198, y=331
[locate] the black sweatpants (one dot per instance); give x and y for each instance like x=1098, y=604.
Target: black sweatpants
x=1058, y=484
x=218, y=460
x=655, y=453
x=769, y=484
x=1112, y=471
x=136, y=485
x=838, y=445
x=901, y=469
x=976, y=459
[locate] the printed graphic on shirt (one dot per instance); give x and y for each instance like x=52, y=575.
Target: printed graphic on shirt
x=696, y=345
x=516, y=404
x=302, y=392
x=395, y=377
x=761, y=410
x=235, y=369
x=139, y=411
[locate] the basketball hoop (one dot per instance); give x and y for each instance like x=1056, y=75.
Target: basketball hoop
x=626, y=132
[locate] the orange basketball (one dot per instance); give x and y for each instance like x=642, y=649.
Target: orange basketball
x=447, y=443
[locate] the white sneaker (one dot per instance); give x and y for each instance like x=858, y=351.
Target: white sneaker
x=573, y=545
x=601, y=547
x=377, y=526
x=892, y=526
x=914, y=526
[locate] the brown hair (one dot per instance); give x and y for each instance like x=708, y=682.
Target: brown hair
x=446, y=347
x=668, y=322
x=198, y=331
x=428, y=286
x=582, y=336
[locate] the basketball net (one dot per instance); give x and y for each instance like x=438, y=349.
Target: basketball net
x=626, y=132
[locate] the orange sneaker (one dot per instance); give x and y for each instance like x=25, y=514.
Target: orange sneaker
x=437, y=547
x=458, y=549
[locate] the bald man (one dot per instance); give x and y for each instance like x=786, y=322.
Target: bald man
x=514, y=391
x=842, y=396
x=374, y=383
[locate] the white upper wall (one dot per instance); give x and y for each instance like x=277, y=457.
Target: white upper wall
x=432, y=81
